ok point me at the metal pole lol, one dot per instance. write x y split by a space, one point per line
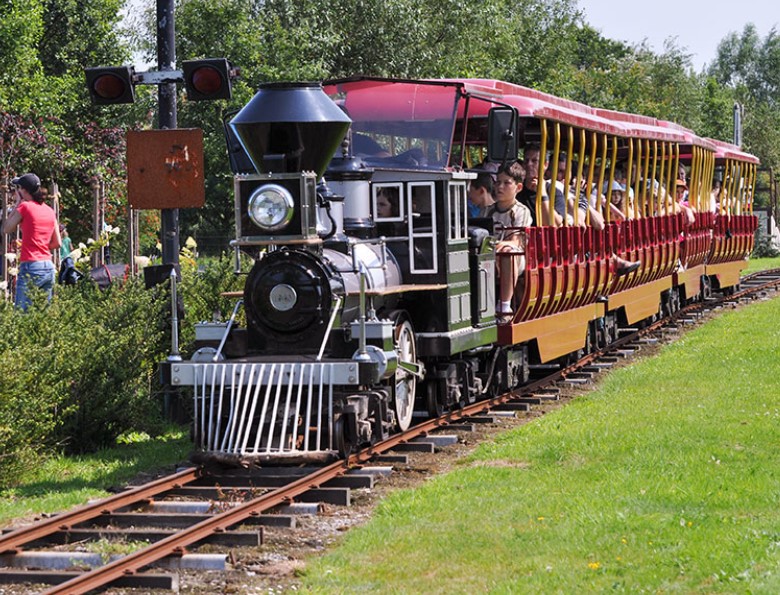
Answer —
738 124
94 186
166 61
5 243
174 356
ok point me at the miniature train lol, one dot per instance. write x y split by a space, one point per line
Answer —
360 313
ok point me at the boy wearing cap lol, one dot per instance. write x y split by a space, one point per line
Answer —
40 235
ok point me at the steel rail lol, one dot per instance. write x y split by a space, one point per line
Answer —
10 542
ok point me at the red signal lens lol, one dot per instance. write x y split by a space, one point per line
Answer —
207 80
108 86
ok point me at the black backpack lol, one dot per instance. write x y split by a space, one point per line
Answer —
68 273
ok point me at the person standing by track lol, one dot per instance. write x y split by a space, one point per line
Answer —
40 235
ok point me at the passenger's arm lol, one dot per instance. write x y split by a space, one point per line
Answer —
690 218
616 213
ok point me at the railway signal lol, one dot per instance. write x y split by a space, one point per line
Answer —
207 79
111 85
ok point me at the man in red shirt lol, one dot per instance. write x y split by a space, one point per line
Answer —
40 235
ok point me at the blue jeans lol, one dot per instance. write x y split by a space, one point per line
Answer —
33 273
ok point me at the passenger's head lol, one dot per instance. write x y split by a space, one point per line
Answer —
481 188
387 202
717 186
560 174
680 188
618 192
531 157
509 181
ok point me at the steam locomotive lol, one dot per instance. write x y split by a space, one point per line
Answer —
372 294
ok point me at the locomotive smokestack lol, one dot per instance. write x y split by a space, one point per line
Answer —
290 127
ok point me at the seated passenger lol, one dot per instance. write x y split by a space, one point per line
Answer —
566 206
682 201
365 146
387 202
682 176
480 195
717 186
619 209
527 196
507 214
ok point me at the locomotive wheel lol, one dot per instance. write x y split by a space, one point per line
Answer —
673 301
434 405
706 287
406 373
341 443
611 328
588 342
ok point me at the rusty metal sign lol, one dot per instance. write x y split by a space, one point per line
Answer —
165 169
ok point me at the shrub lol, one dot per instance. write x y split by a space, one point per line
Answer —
763 247
81 371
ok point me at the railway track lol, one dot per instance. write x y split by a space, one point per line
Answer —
163 520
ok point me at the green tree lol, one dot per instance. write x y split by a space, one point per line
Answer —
750 68
21 28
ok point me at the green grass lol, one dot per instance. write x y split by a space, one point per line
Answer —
666 479
64 482
761 264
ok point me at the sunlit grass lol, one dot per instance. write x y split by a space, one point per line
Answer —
64 482
665 479
761 264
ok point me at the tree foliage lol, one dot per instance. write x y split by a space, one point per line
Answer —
749 68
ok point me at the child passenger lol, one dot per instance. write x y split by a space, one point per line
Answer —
480 195
510 218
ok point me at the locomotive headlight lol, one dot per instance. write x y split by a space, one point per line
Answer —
271 207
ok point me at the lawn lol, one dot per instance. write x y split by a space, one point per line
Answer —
63 482
761 264
666 479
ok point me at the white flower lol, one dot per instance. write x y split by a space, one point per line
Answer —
76 254
90 241
83 259
191 243
82 246
3 285
13 271
158 246
113 230
10 256
142 261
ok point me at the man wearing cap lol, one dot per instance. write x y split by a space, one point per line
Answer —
40 235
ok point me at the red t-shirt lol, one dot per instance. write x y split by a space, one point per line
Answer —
38 221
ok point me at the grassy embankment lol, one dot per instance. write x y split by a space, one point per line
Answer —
761 264
665 479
